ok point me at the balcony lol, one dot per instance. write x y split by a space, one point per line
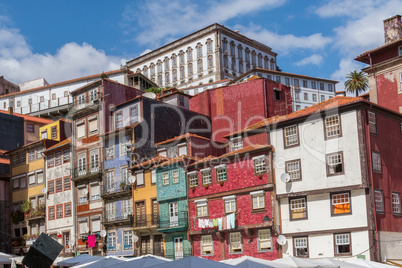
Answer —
47 108
84 107
175 255
35 213
30 239
117 218
87 172
169 223
111 192
146 221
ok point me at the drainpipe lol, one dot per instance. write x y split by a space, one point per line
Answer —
370 170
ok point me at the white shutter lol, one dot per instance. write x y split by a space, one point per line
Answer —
16 183
80 130
153 176
82 226
163 153
23 182
93 125
40 176
95 191
32 178
95 225
140 178
183 150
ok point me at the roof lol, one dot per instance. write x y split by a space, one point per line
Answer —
244 150
174 91
237 79
364 57
337 101
128 101
126 128
178 159
63 83
182 137
31 118
58 145
46 142
151 162
203 85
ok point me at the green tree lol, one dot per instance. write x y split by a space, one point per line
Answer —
356 82
155 90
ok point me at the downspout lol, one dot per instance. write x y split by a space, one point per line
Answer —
370 170
265 99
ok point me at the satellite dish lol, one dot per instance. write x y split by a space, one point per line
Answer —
44 190
131 179
149 95
285 178
86 229
135 238
85 192
281 239
103 233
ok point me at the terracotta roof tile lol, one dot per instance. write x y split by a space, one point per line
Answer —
363 55
58 145
182 158
151 162
31 118
337 101
184 136
4 161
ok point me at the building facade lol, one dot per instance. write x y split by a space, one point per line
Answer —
231 205
211 54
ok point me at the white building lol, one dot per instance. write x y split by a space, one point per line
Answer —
211 54
305 90
60 203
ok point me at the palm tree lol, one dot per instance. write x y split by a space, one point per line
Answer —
356 82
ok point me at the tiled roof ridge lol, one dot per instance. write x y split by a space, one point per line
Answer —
186 135
30 117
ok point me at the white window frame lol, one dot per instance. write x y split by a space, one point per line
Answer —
294 170
236 144
175 175
202 207
332 126
300 243
342 239
207 243
260 164
192 179
291 134
165 178
264 240
206 175
230 203
332 161
376 161
221 173
256 199
232 236
379 200
396 203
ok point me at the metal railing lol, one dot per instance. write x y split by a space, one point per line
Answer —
180 219
117 216
111 189
149 220
175 255
86 171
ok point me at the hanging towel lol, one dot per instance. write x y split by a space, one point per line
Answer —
229 222
232 220
91 241
200 223
215 222
211 223
224 223
220 224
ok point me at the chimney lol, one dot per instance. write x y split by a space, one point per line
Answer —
392 29
10 110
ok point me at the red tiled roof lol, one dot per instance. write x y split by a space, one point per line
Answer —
203 85
184 136
58 145
4 161
362 57
121 129
337 101
128 101
151 162
31 118
177 159
244 150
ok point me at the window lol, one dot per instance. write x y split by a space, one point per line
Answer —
396 203
128 241
53 132
379 201
110 182
258 200
200 66
93 95
321 86
140 178
58 158
175 176
221 174
94 160
95 191
233 64
334 164
82 225
332 126
236 144
291 136
206 176
305 84
67 183
293 168
376 160
43 134
165 178
124 176
119 120
93 125
225 61
330 87
259 164
306 96
278 79
109 149
50 187
206 245
23 182
31 155
235 243
166 64
110 211
51 213
315 97
167 78
298 107
81 101
82 166
39 175
340 203
67 210
313 85
298 208
59 185
190 69
372 119
31 178
230 203
202 208
81 129
30 128
193 179
59 211
322 98
23 159
66 156
264 240
300 247
342 244
111 241
82 195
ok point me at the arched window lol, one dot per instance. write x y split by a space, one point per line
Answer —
199 50
233 62
182 76
225 45
240 52
209 46
240 66
232 49
259 60
225 61
253 58
159 66
266 64
190 69
189 54
181 57
166 63
210 62
174 74
247 55
152 67
174 60
200 66
167 78
160 80
145 71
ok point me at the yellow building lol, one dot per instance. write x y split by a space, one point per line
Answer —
27 182
146 208
58 130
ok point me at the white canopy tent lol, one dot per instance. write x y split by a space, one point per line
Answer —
192 262
142 262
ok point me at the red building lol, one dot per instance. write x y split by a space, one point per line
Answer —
230 203
237 106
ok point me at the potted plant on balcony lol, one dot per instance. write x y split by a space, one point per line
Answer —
26 208
122 185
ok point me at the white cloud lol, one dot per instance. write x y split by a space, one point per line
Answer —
314 59
18 63
163 20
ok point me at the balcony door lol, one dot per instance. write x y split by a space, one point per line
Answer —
140 216
174 215
82 164
155 212
178 248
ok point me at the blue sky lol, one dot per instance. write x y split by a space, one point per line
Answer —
62 40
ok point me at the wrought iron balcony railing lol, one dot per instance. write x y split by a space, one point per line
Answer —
179 219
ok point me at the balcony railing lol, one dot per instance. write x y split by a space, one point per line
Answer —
149 220
117 217
87 171
175 255
178 220
115 190
35 213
